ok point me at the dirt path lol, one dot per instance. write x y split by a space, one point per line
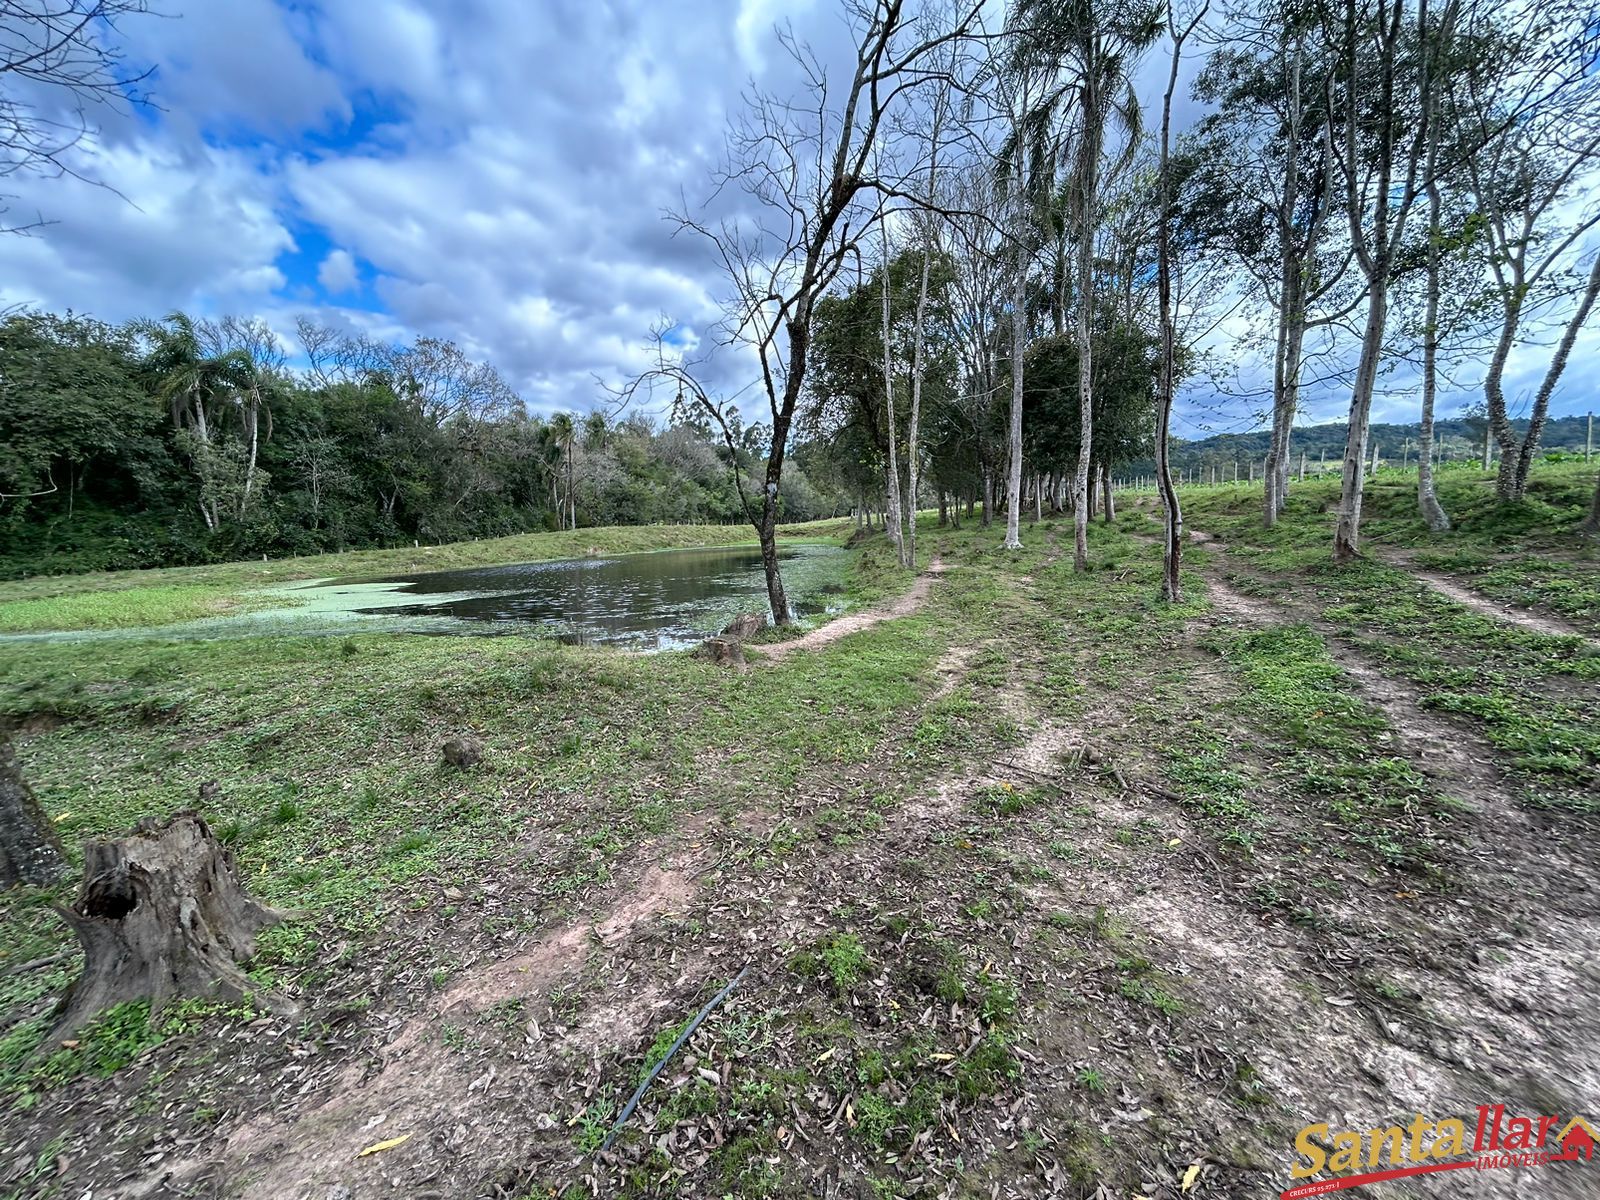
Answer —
1504 1013
823 635
1509 613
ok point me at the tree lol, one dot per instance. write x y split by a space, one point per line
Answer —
1172 515
1097 43
196 381
69 397
1530 114
564 433
1263 190
816 178
1383 90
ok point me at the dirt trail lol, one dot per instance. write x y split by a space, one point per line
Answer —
823 635
1510 613
1505 1014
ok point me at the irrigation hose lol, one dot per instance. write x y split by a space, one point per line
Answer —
683 1037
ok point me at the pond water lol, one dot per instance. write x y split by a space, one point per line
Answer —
662 600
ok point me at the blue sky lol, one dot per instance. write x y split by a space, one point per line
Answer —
489 171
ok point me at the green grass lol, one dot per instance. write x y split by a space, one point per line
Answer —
128 608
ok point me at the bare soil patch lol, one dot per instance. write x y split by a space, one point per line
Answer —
901 606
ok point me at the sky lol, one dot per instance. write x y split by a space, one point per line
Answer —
496 172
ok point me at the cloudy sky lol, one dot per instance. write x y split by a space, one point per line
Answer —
491 171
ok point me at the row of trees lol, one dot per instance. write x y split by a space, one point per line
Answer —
978 268
180 440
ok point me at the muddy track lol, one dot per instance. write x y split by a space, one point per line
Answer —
1503 993
1510 614
841 627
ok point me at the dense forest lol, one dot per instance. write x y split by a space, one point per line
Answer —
182 441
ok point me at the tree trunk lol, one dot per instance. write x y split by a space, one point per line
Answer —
30 850
1346 535
914 424
988 500
1019 338
162 916
1110 503
1433 513
1547 386
892 468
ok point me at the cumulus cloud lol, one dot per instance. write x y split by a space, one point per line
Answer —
338 273
483 170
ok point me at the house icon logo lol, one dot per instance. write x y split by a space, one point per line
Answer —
1578 1138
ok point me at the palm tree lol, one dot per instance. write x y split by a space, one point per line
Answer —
194 382
565 432
1097 43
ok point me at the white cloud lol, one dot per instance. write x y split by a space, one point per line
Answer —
338 274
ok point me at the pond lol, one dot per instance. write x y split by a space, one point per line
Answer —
661 600
664 600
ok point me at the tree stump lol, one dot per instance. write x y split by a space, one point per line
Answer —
724 651
161 915
30 850
745 625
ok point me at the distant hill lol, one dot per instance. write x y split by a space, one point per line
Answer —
1323 445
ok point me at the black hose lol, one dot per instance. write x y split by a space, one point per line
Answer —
683 1037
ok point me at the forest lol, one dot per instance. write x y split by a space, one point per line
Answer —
960 724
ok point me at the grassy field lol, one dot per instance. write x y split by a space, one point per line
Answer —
1043 886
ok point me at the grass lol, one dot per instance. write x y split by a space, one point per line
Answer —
921 986
1531 694
128 608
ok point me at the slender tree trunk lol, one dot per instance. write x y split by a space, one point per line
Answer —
1019 340
892 469
988 500
1433 513
1547 386
1496 415
1110 504
914 424
1346 536
1087 180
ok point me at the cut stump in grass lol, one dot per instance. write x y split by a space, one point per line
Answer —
724 651
162 916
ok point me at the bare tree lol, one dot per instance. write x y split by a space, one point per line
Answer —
815 182
58 63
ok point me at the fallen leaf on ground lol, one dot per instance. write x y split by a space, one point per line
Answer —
382 1146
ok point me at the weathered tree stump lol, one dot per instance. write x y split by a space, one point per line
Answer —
724 651
161 915
745 625
30 849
